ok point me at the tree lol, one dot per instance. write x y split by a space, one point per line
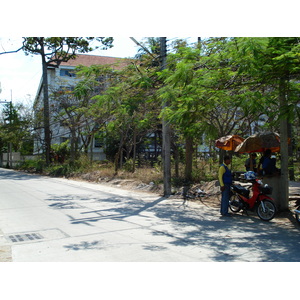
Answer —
177 91
272 63
67 112
54 51
203 100
128 111
16 128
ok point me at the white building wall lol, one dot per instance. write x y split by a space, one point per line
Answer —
60 133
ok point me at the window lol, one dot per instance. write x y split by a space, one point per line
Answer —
98 143
67 73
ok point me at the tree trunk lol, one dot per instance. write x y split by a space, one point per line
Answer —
188 158
134 151
73 145
166 149
176 159
119 155
284 181
166 156
221 155
291 160
47 137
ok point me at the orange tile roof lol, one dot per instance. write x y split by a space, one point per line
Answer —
89 60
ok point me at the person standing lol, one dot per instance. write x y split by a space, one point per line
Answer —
225 180
251 159
268 164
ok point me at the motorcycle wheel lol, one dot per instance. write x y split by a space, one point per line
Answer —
270 210
298 215
234 204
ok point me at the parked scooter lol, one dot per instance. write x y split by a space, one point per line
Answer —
260 201
297 211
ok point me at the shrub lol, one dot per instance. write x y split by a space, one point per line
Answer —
33 165
60 170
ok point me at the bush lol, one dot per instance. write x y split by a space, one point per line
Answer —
60 170
128 165
60 152
37 166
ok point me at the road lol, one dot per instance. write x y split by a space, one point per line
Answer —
46 219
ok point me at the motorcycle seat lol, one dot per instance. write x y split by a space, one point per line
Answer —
241 190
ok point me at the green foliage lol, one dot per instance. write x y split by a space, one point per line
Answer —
61 152
54 48
60 170
128 166
16 128
36 166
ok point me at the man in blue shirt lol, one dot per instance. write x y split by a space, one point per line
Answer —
225 179
268 164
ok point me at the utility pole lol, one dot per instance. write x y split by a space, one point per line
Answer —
47 137
166 133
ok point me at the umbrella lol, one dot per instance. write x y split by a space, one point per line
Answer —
259 143
228 142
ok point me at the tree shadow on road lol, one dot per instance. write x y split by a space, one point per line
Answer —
18 175
239 238
98 245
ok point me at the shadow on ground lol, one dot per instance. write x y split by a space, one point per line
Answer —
240 238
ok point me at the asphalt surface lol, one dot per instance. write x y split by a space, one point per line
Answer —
46 219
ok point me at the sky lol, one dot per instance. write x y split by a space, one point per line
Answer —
20 74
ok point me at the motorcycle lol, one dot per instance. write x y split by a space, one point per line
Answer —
260 201
297 211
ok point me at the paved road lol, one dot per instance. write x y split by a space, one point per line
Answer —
48 219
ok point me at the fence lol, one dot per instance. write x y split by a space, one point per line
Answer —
13 159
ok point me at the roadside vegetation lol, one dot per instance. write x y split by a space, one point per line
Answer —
204 170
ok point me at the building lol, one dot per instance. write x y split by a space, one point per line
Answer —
62 78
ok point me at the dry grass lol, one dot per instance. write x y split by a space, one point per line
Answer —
145 175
